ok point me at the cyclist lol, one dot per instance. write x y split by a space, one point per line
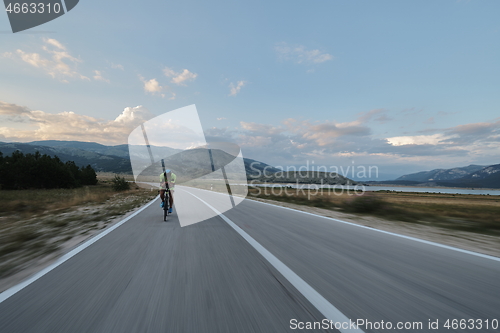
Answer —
171 178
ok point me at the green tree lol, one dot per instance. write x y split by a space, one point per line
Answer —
89 177
20 171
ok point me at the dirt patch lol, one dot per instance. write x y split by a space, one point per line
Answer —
29 244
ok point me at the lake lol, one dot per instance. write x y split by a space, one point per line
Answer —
390 188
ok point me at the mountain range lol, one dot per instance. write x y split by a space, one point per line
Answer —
116 159
441 174
475 176
104 158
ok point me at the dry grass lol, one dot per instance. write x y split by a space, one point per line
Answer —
27 203
108 176
34 224
476 213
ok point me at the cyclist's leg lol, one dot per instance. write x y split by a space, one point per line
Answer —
162 195
171 198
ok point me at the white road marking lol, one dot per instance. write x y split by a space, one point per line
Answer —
391 233
18 287
326 308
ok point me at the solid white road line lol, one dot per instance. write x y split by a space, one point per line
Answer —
11 291
326 308
391 233
477 254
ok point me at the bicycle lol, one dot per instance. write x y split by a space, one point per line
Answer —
166 202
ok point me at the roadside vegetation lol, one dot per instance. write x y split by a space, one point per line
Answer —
30 171
120 183
36 224
473 213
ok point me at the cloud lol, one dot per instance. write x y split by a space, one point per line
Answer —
365 117
477 134
260 128
117 66
8 109
134 116
487 133
152 86
98 76
294 141
300 55
179 78
235 89
56 61
55 43
222 118
429 121
434 139
72 126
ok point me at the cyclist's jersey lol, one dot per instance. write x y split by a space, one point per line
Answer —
171 186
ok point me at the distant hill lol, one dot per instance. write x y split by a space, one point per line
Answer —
255 168
119 150
472 176
81 157
105 158
440 174
484 173
488 177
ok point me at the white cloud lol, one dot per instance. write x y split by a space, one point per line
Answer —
55 43
179 78
98 76
434 139
155 88
72 126
299 54
235 89
222 118
152 86
295 141
117 66
56 62
134 116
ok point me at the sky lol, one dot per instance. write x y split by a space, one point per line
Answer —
405 86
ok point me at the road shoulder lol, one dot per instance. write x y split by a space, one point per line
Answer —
470 241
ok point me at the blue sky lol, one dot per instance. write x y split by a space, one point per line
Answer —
404 85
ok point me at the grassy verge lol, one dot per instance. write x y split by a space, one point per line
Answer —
34 224
474 213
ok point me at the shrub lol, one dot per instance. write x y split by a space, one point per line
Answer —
120 184
365 204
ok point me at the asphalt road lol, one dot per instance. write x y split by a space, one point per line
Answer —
153 276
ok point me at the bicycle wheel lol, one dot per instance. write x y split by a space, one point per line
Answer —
165 207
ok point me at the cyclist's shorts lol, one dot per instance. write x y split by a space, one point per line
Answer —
171 189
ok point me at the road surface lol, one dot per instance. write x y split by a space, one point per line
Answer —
153 276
